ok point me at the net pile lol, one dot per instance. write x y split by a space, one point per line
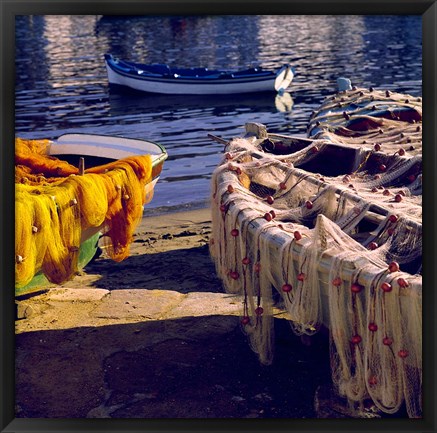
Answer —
365 118
341 251
56 209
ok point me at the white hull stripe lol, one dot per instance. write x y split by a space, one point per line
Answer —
194 81
162 79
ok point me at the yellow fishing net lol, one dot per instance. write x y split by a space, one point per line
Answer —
56 209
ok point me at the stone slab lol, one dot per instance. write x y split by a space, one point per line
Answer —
207 304
137 303
66 294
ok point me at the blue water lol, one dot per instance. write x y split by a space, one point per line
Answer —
61 82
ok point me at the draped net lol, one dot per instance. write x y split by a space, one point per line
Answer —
344 253
56 208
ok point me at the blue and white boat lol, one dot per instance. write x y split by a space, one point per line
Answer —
160 78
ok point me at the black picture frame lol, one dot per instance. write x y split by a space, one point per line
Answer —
9 8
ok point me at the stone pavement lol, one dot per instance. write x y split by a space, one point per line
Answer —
155 336
136 353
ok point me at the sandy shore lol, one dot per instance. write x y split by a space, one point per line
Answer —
155 336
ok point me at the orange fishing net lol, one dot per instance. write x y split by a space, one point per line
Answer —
33 165
55 209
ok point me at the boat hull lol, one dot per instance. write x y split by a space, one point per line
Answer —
235 208
329 232
197 86
99 148
87 251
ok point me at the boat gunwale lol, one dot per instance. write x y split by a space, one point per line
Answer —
160 146
214 78
197 81
282 236
344 191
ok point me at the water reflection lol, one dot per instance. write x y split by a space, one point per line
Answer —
211 41
123 100
61 82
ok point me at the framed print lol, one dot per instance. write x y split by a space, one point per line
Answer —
217 216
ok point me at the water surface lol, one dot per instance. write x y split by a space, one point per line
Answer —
61 82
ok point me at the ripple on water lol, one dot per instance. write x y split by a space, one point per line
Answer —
61 82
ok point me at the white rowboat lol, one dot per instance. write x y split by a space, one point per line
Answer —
159 78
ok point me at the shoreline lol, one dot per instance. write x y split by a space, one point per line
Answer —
150 212
193 215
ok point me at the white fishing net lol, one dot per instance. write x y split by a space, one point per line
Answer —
340 251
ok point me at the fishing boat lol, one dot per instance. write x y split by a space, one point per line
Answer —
64 210
160 78
328 227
